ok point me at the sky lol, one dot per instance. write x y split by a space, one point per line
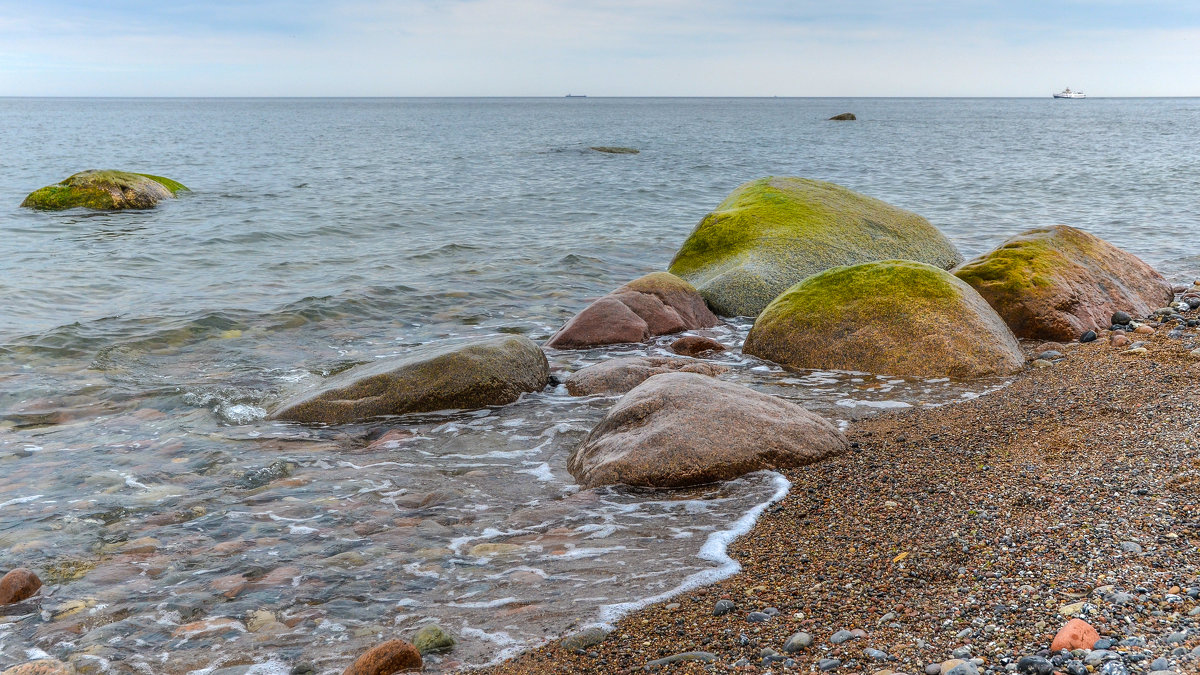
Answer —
599 48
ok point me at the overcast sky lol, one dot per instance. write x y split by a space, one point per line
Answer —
599 48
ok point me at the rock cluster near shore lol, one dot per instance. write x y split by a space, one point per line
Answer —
105 190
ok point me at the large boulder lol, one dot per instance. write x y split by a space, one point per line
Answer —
897 317
617 376
656 304
106 190
492 371
1056 283
771 233
681 429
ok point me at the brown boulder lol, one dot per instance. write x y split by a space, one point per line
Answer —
492 371
1076 634
618 376
694 345
656 304
681 429
40 667
18 585
1055 283
393 656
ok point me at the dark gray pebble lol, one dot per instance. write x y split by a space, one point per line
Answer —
758 617
828 664
1034 665
723 607
1089 336
1121 318
841 636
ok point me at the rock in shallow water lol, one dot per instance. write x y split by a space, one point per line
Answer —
617 376
694 345
393 656
104 190
19 584
656 304
493 371
1055 283
770 233
897 317
682 429
431 639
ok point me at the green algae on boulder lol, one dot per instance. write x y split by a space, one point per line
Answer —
104 190
492 371
895 317
1055 283
770 233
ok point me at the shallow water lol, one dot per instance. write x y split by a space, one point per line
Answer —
139 351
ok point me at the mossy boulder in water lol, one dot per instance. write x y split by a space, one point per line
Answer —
493 371
104 190
772 232
1056 283
896 317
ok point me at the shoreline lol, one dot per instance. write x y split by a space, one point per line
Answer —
975 528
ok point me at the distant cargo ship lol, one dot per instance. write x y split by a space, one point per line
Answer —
1067 93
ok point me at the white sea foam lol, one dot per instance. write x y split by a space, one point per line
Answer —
855 403
715 549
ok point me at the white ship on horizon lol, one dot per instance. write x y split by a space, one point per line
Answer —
1067 93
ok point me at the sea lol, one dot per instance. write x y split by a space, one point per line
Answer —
178 530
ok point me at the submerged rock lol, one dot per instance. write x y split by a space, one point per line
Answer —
695 345
393 656
618 376
681 429
105 190
492 371
896 317
656 304
844 117
1056 283
770 233
614 150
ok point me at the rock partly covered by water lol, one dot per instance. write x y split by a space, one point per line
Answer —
897 317
681 429
492 371
19 584
772 232
843 117
1055 283
656 304
393 656
617 376
106 190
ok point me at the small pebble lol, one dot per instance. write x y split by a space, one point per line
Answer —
723 607
828 664
841 636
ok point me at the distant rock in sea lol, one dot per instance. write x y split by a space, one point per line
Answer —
770 233
844 117
105 190
614 150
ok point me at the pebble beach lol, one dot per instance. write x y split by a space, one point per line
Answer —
960 539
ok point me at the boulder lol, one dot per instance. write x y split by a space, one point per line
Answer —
105 190
393 656
681 429
19 584
617 376
614 150
844 117
656 304
1076 634
1055 283
896 317
772 232
431 639
694 345
492 371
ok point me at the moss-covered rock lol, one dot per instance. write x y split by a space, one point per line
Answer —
431 639
1056 283
493 371
772 232
897 317
105 190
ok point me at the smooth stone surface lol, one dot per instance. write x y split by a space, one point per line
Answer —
460 375
431 639
841 636
105 190
706 657
797 642
617 376
895 317
655 304
826 665
843 117
1034 665
695 345
682 429
393 656
1055 283
723 607
589 637
1075 634
19 584
771 233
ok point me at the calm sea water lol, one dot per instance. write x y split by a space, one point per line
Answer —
138 351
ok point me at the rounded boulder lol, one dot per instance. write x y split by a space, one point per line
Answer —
617 376
492 371
1056 283
682 429
658 303
895 317
105 190
770 233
